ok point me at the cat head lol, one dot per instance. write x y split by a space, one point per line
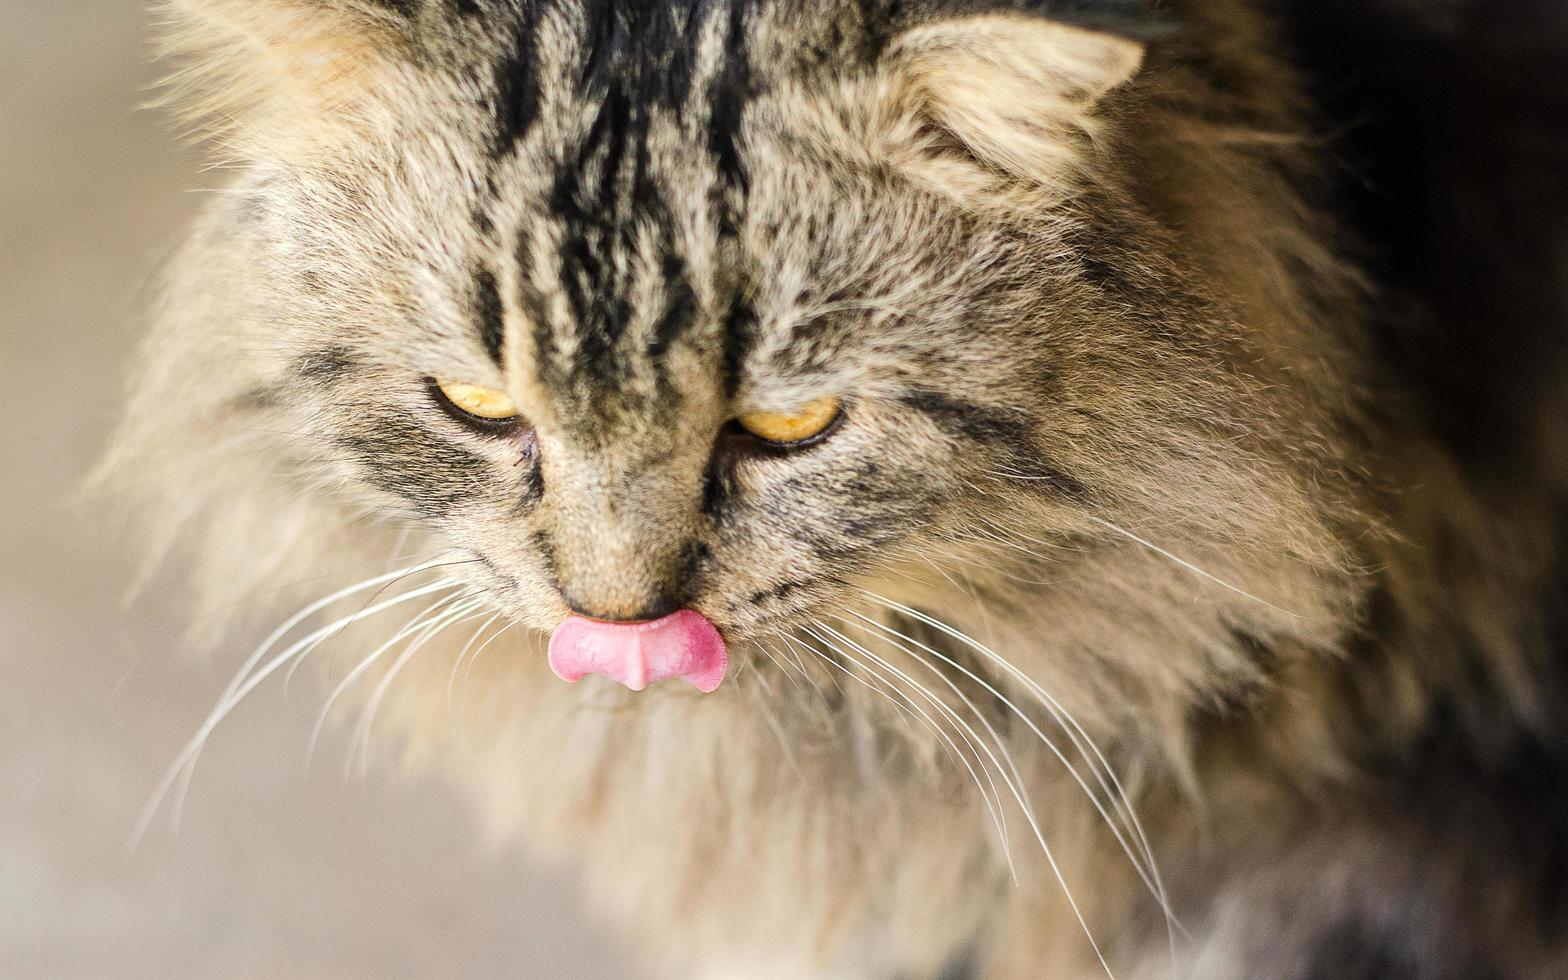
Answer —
758 308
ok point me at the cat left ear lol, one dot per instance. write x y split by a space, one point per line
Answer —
271 73
1001 104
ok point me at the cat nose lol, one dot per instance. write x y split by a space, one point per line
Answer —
610 611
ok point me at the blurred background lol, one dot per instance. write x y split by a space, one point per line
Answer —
276 872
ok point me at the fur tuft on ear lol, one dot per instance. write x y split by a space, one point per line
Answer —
998 109
270 75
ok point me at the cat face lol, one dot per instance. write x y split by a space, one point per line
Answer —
668 243
636 227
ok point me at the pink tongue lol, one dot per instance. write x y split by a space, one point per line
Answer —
683 644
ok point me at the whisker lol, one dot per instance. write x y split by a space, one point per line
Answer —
907 716
772 716
451 679
469 670
288 675
462 611
1075 732
998 814
384 580
1150 877
184 764
789 665
1034 825
993 805
1189 566
413 626
996 738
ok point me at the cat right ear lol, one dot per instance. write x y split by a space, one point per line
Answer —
999 110
276 75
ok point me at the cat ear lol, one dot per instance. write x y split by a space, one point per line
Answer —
996 107
284 70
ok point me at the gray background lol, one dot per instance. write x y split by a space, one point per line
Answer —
276 873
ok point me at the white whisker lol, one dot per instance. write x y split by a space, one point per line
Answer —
386 579
469 670
417 623
1061 880
992 800
288 675
905 714
462 611
972 739
1150 876
1075 732
772 717
451 679
1189 566
184 764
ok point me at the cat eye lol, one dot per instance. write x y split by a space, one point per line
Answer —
808 424
475 403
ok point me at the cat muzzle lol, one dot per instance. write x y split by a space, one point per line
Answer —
683 644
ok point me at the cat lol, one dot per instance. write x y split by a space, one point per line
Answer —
986 407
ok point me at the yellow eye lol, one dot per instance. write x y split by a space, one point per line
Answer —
810 421
480 402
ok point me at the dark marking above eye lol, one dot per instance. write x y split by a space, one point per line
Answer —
488 308
679 312
587 199
740 337
404 7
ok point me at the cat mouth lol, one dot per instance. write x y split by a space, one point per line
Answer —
684 645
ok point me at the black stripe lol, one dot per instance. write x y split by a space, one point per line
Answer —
405 458
639 57
407 8
1144 20
604 191
492 319
592 229
516 87
544 547
728 95
680 312
1008 431
740 337
969 420
774 593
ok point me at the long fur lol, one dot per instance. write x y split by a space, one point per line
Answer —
1144 615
